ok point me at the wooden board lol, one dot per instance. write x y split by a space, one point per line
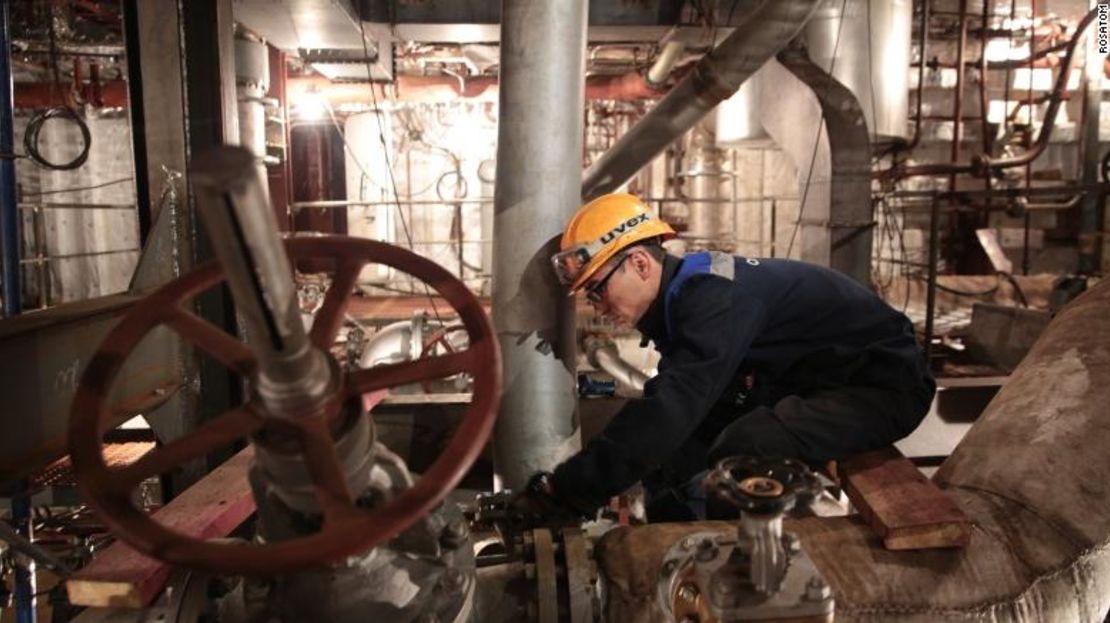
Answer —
902 506
213 507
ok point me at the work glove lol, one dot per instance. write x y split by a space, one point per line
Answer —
538 505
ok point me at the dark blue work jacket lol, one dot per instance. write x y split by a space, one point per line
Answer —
734 332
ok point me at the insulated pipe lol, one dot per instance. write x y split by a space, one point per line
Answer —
661 69
627 86
539 149
604 355
714 79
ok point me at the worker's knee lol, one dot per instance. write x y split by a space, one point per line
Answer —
759 434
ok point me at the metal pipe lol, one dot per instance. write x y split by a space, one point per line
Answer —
604 355
931 292
9 214
715 78
958 101
1090 216
922 46
537 190
1041 191
294 376
984 103
661 69
984 163
36 553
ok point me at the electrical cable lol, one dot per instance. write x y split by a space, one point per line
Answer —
817 138
34 127
958 292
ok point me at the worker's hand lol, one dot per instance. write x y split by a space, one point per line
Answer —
539 505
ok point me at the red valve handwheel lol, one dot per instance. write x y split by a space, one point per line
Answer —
346 530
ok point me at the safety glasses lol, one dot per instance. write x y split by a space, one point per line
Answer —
596 290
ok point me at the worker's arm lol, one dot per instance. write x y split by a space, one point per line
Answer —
714 324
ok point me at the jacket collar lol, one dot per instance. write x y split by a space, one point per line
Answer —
653 324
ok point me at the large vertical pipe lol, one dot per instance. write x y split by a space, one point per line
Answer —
9 212
539 156
1090 219
710 223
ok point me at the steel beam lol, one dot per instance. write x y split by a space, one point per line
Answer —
212 120
43 355
539 149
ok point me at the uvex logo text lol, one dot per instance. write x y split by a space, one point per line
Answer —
623 227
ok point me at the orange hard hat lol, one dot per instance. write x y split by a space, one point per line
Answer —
599 230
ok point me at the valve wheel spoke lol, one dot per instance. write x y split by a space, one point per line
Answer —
395 374
330 315
327 473
212 435
222 347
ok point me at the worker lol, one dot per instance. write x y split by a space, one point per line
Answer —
772 358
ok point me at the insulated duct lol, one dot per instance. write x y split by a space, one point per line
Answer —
819 124
715 77
865 45
737 118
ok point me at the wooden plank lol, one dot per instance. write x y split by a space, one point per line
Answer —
902 506
213 507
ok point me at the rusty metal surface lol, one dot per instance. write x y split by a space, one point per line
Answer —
42 355
347 529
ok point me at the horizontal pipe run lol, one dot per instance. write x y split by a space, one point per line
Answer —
342 203
1045 191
